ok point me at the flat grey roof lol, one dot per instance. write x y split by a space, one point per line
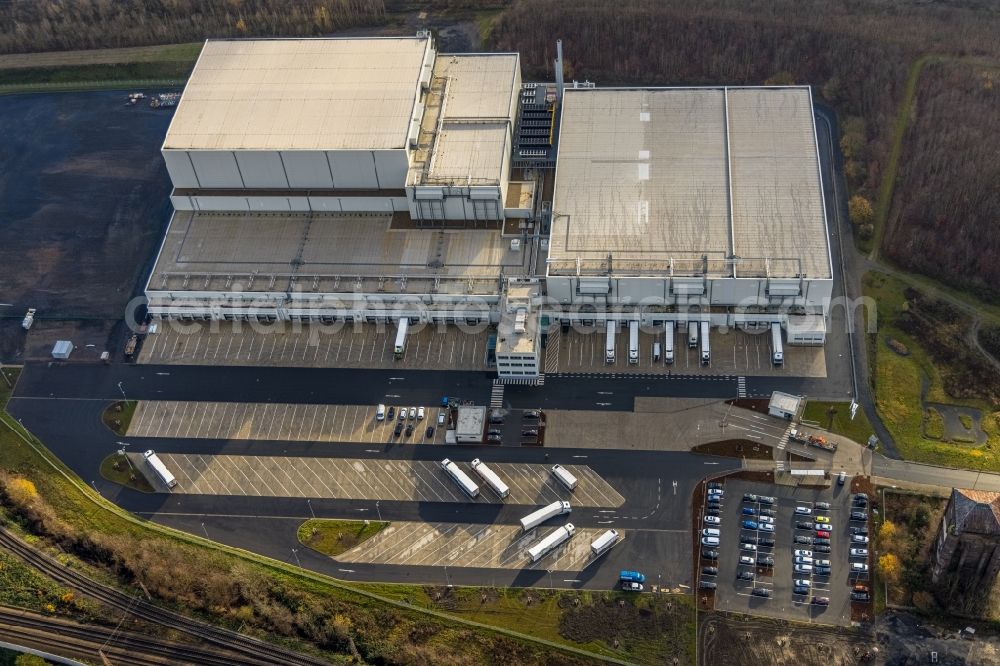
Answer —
300 94
686 179
327 253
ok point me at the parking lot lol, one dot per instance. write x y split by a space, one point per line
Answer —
282 422
472 545
364 479
293 344
733 353
734 594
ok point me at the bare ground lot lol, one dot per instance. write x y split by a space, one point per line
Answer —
83 203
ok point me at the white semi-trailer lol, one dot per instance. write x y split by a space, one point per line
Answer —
460 477
491 478
545 546
603 543
159 469
536 518
400 348
633 342
668 345
706 353
778 357
609 345
692 334
564 477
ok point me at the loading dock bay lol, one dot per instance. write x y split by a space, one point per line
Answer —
293 344
472 545
276 421
363 479
735 352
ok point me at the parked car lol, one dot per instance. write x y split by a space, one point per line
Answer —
799 590
441 418
761 592
823 541
413 413
765 561
859 515
823 534
409 430
716 491
822 519
494 438
749 511
748 546
803 568
714 501
532 414
494 431
429 433
802 582
709 554
746 559
860 530
841 478
496 419
859 538
712 511
860 588
766 499
710 571
859 567
713 520
764 511
764 541
823 563
707 585
749 524
402 413
803 560
823 571
766 519
391 414
860 596
631 586
802 553
821 527
420 413
749 497
748 538
821 601
803 525
744 575
711 531
397 430
714 484
859 552
803 539
803 511
766 527
822 506
529 433
710 541
821 548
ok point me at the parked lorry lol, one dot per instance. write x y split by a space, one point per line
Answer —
706 353
692 334
557 538
609 345
603 543
536 518
633 342
490 478
668 345
159 469
818 441
400 347
460 477
778 355
631 577
29 319
564 477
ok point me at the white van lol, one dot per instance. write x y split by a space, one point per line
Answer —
711 531
380 413
656 352
710 541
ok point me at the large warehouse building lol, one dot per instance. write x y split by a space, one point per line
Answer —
371 180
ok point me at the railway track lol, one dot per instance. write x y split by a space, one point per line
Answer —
84 641
251 650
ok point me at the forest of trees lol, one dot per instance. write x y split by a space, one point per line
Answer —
855 54
60 25
947 202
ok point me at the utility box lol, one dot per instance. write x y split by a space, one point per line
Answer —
62 349
470 424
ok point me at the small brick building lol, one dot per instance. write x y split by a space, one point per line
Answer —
965 560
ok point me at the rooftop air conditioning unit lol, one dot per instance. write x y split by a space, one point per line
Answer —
515 244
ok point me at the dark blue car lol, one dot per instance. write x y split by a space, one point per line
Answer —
750 524
749 511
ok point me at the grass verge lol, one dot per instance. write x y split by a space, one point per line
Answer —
836 417
117 469
118 416
333 537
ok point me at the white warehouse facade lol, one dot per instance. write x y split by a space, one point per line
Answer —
371 180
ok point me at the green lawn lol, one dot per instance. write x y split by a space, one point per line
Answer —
333 537
116 468
898 380
118 416
836 417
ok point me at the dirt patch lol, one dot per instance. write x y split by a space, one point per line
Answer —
620 620
739 639
735 448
